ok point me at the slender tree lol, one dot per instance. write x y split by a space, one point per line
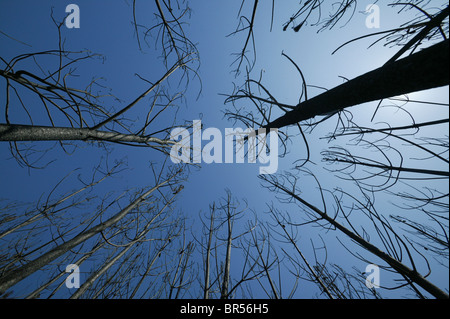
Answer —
403 163
113 230
13 276
87 113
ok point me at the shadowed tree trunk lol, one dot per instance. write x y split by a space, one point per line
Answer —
226 275
206 289
411 274
424 70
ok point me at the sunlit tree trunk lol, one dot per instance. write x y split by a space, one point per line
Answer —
16 275
127 247
15 133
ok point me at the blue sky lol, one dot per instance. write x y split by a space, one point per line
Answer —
106 29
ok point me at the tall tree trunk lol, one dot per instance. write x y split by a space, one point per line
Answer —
49 133
424 70
226 275
402 269
109 264
16 275
36 293
208 255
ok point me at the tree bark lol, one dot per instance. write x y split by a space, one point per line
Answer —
413 275
208 256
424 70
226 275
15 133
16 275
109 264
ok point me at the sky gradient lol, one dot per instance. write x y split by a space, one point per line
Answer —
107 29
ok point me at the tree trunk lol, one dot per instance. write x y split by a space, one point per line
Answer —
48 133
226 275
413 275
109 264
208 255
424 70
16 275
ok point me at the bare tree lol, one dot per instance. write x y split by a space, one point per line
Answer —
393 243
45 102
88 113
13 275
134 242
226 248
402 163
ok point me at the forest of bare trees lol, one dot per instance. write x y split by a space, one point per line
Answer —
142 242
